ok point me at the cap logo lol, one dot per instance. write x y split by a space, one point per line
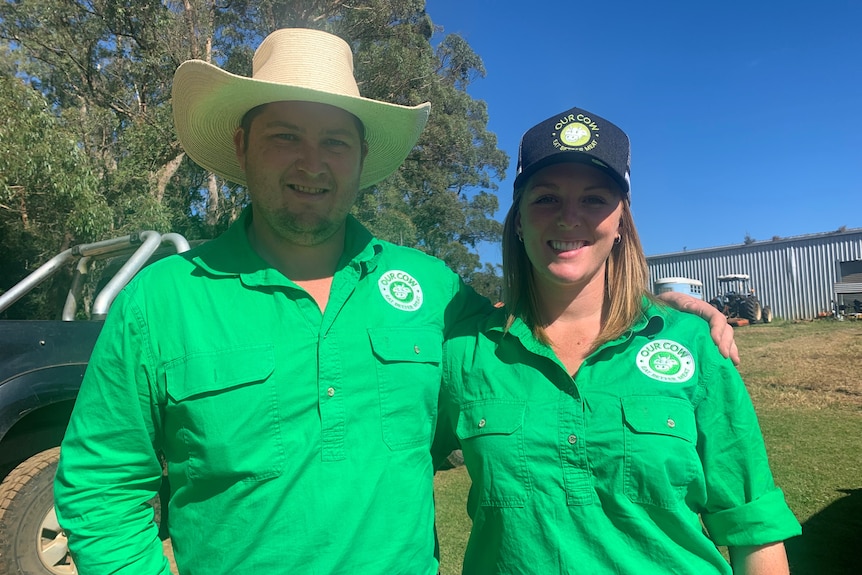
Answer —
666 360
575 135
576 132
400 290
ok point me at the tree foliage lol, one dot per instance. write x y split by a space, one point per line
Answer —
48 190
89 149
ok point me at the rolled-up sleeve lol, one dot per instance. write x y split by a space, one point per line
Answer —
109 468
743 505
765 520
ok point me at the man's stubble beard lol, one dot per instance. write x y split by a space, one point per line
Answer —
308 228
304 229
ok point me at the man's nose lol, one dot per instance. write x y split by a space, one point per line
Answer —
310 159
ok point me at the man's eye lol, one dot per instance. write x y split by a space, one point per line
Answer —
286 136
336 143
545 200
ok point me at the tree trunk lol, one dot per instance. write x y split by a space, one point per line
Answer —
213 200
164 175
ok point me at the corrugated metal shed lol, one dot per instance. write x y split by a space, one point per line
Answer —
795 276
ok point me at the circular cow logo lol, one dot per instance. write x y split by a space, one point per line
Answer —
400 290
574 135
666 360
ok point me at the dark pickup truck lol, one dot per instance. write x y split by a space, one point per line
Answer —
42 364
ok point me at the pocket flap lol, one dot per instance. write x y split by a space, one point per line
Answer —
218 370
660 415
421 345
490 416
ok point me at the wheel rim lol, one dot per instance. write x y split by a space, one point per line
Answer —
53 546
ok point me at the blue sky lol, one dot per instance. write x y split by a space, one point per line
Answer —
745 117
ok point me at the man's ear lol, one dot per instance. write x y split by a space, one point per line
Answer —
239 147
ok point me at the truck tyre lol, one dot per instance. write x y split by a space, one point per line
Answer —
31 540
767 314
751 310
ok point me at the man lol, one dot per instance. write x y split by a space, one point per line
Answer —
288 370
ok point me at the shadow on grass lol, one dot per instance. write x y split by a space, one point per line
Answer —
830 541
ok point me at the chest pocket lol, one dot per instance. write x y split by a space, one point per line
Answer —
492 441
408 376
661 458
224 406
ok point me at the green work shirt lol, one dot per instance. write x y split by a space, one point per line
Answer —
612 470
296 441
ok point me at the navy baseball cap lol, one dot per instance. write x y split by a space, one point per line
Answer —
575 136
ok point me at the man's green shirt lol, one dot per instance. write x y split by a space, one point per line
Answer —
296 441
610 471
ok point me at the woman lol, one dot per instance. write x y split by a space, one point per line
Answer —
603 432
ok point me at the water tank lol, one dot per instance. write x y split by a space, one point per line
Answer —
684 285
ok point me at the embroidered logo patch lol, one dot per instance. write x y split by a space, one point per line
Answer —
575 132
666 360
401 290
575 135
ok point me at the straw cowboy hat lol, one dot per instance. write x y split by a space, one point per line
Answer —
292 64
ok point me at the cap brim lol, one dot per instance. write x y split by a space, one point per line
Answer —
209 104
574 157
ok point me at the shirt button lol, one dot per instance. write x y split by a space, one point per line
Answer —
416 349
671 423
481 423
330 392
573 439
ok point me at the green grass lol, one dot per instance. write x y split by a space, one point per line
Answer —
805 380
453 524
815 456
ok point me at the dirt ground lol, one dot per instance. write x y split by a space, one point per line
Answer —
169 553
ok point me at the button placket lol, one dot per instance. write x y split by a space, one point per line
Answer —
575 467
330 403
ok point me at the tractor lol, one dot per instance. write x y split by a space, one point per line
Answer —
738 301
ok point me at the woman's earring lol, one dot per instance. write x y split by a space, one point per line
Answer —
618 239
520 237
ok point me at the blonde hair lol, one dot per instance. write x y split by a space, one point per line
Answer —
626 279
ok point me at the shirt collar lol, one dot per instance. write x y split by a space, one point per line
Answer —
231 254
648 323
